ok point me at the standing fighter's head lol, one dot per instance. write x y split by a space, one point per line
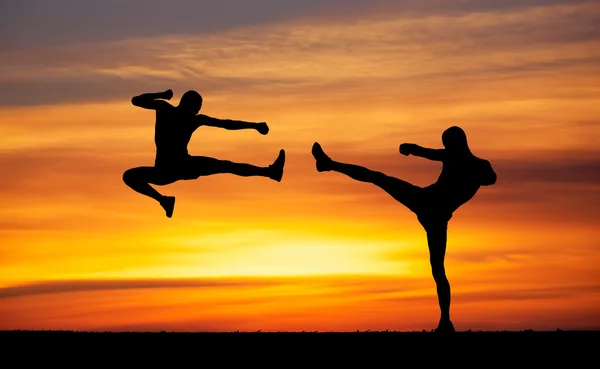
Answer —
191 102
455 140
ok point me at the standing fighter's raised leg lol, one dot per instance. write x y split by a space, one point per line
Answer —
139 180
400 190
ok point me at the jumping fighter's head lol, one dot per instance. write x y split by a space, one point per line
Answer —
191 102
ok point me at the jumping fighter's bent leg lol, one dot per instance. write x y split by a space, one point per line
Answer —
139 180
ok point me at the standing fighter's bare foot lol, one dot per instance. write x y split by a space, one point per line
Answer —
276 169
168 203
445 326
323 161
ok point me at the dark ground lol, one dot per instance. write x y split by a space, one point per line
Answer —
481 349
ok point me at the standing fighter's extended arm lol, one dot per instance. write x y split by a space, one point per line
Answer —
423 152
230 124
150 100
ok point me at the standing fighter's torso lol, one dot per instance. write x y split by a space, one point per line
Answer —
458 182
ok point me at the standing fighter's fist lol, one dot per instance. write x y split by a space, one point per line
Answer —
406 148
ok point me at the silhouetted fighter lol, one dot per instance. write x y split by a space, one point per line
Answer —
462 175
173 131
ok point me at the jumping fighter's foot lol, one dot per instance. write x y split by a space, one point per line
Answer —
276 169
168 203
445 326
323 161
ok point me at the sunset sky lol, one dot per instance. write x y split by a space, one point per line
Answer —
79 250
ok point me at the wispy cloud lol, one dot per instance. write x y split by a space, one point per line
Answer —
31 22
376 55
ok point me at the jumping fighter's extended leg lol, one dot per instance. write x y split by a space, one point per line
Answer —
401 191
139 180
205 166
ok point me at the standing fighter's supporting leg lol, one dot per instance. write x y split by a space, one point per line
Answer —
139 178
400 190
436 240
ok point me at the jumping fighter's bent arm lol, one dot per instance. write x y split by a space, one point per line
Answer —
230 124
423 152
150 100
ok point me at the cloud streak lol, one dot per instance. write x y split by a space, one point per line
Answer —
385 287
73 286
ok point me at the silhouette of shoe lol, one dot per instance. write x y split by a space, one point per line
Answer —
445 326
322 159
168 203
277 167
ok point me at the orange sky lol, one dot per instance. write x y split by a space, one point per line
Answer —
80 250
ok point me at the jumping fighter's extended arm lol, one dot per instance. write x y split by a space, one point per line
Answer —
205 120
423 152
151 100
